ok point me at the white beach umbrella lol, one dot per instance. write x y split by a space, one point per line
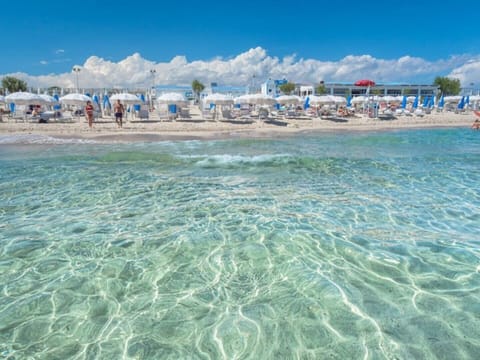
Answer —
255 99
2 99
24 98
289 100
359 99
218 99
452 99
339 100
75 99
172 99
126 98
47 99
322 100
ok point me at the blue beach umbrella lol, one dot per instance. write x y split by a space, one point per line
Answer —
404 102
461 104
57 99
467 100
425 101
96 101
306 105
431 103
441 102
349 101
106 102
415 103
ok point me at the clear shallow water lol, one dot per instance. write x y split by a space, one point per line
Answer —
359 246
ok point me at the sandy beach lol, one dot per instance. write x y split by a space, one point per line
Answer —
106 130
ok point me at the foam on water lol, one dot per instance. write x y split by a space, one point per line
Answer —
351 246
41 139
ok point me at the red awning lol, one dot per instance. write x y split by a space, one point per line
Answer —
364 82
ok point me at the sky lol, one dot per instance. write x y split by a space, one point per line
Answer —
118 43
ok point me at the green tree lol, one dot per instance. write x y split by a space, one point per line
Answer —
447 85
197 88
287 88
321 89
13 84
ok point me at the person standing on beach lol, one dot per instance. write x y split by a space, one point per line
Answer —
89 113
119 110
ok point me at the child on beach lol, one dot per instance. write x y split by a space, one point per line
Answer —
119 110
89 113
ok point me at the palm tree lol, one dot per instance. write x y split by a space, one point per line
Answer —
197 88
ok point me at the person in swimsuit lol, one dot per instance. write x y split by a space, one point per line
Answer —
89 113
119 110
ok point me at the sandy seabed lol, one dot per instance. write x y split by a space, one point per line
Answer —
106 130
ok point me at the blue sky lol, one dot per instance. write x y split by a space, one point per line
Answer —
49 37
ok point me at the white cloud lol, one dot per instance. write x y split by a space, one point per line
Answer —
59 51
468 73
135 71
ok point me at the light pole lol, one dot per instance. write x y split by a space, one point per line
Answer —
76 70
153 72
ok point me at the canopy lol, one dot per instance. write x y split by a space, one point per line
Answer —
364 82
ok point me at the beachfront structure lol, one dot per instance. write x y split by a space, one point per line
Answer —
272 87
349 89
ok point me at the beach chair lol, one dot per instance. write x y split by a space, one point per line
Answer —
227 114
184 113
143 114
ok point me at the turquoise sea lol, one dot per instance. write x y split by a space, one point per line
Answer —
319 246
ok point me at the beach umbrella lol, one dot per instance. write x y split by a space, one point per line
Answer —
126 98
289 100
47 99
172 99
359 99
431 103
441 102
404 102
415 103
255 99
461 103
24 98
349 101
106 102
425 101
338 100
218 99
57 105
323 100
306 105
75 99
2 99
453 99
364 82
